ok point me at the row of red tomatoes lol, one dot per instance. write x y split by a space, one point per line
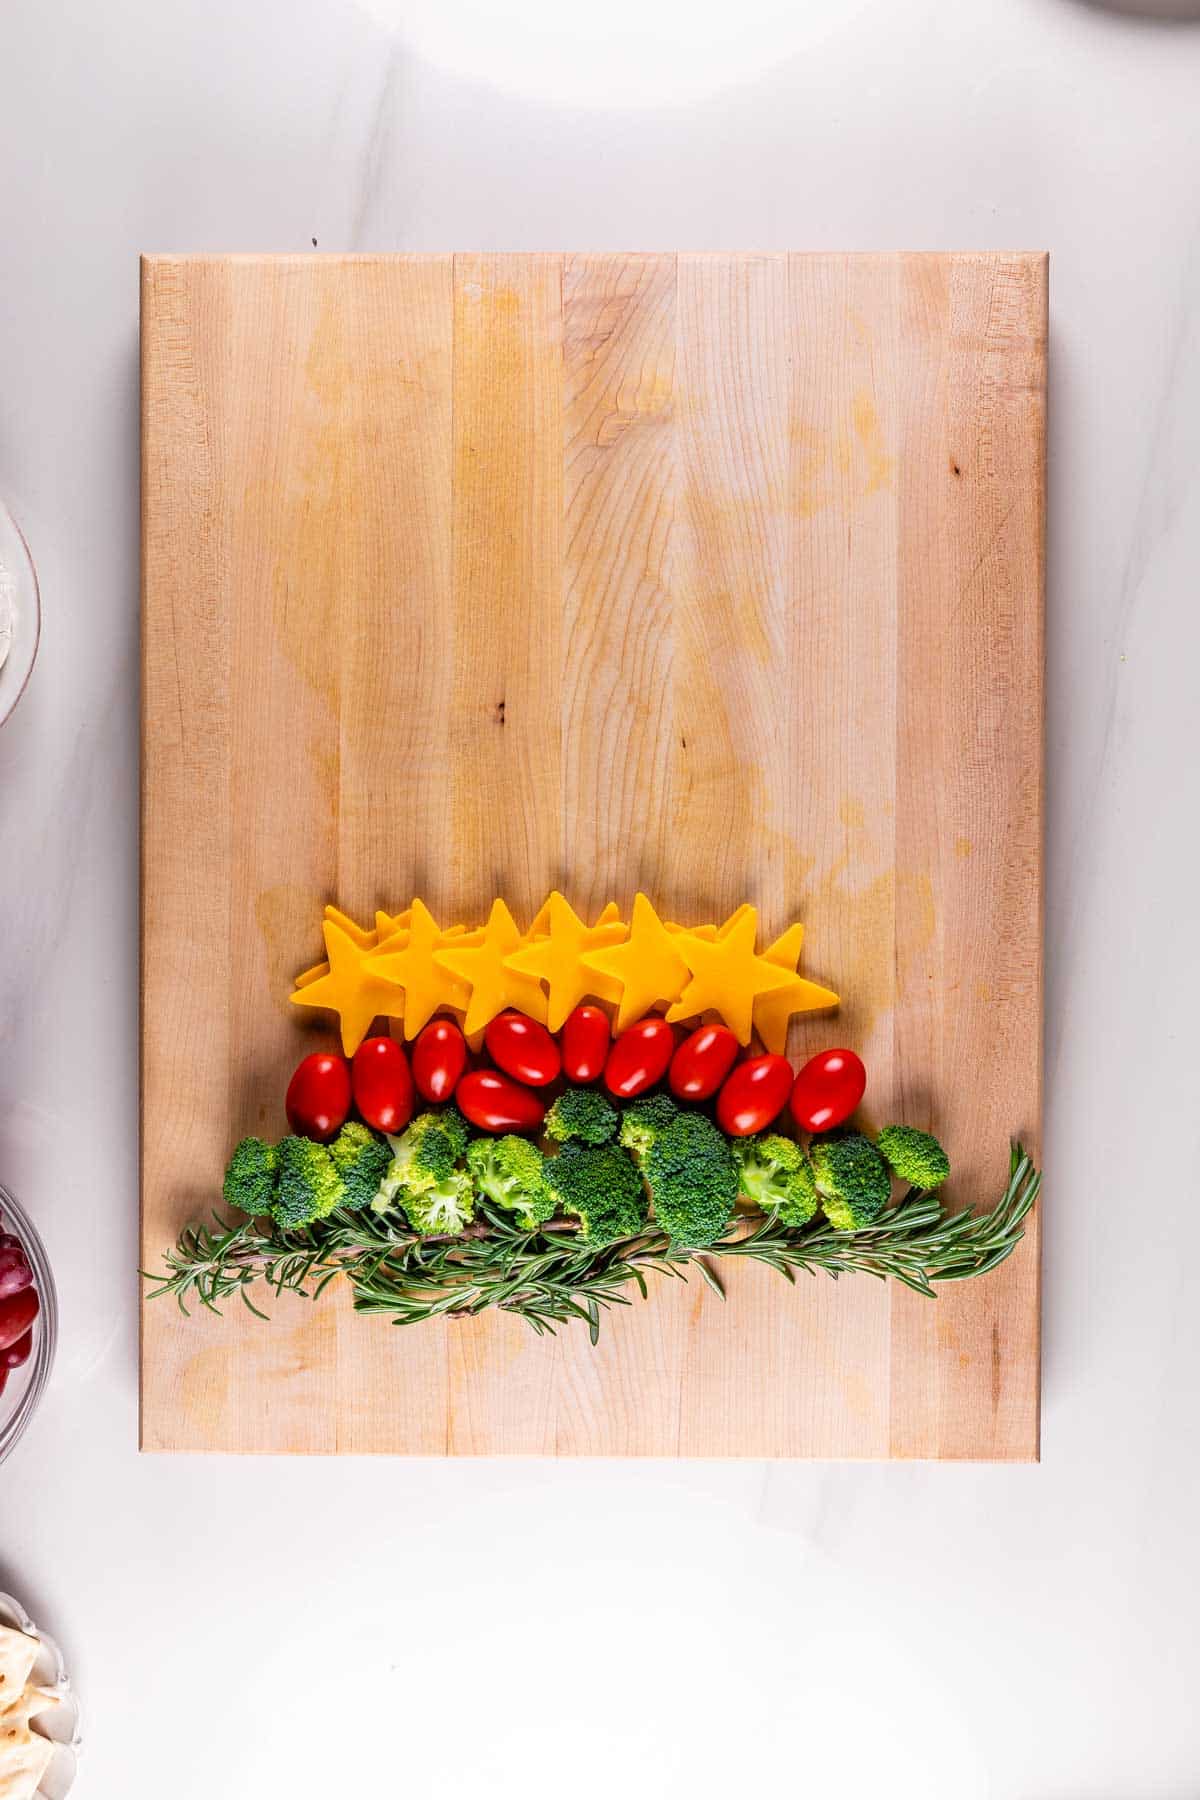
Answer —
749 1095
19 1306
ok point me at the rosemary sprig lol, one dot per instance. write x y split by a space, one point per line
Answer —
209 1266
915 1241
548 1277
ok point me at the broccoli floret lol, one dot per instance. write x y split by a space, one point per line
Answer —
642 1122
250 1177
774 1173
914 1156
455 1128
852 1180
511 1172
693 1180
601 1186
425 1153
581 1113
362 1159
309 1185
443 1208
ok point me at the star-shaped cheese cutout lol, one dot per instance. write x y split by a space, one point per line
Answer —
388 924
308 976
358 934
710 933
541 923
427 986
483 966
727 976
351 989
557 958
647 967
772 1011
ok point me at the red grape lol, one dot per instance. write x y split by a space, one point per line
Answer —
17 1353
17 1314
15 1272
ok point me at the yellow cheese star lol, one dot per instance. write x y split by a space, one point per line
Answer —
358 934
541 923
386 927
773 1011
307 976
647 967
727 976
557 958
710 933
388 924
427 986
493 985
352 990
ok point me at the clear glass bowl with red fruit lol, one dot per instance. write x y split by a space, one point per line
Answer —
28 1322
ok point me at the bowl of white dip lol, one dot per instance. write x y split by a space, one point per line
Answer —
20 613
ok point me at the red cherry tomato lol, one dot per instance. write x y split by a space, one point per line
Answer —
318 1096
754 1095
495 1103
639 1058
17 1353
523 1049
702 1062
827 1090
439 1057
17 1314
585 1040
383 1087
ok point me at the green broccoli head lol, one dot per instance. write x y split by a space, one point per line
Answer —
455 1128
583 1113
775 1174
602 1188
511 1172
442 1209
914 1156
250 1177
693 1180
852 1180
425 1153
643 1120
309 1186
362 1159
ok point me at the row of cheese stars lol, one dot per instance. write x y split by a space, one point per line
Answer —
409 968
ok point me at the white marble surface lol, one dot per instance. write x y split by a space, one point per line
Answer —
952 1633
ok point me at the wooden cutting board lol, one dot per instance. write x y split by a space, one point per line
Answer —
718 576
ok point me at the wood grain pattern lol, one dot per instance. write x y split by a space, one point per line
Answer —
715 575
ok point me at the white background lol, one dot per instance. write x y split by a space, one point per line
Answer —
662 1629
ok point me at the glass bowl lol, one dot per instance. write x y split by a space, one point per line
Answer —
25 1385
20 613
60 1723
